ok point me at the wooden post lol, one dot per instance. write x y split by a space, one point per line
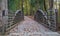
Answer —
51 15
4 8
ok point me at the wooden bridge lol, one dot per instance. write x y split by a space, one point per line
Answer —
16 22
29 25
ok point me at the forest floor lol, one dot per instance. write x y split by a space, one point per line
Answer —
29 25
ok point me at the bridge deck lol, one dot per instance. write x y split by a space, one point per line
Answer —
29 25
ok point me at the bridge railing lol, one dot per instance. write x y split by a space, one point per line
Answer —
40 16
13 19
48 20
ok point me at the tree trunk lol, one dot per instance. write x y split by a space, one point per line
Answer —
31 9
45 6
51 4
26 8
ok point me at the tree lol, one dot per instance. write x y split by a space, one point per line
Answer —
13 5
28 6
51 4
45 8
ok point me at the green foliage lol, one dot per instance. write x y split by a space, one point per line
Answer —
33 2
13 5
29 5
